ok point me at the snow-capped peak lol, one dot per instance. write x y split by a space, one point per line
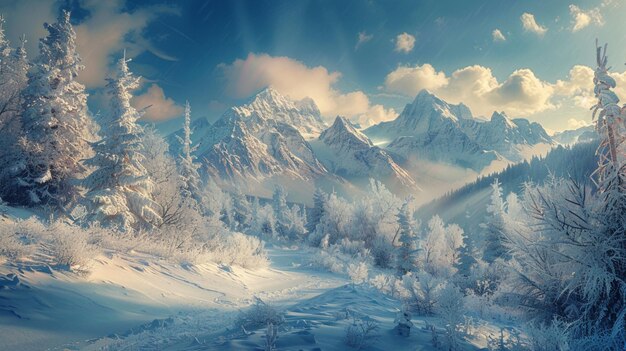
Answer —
270 104
343 132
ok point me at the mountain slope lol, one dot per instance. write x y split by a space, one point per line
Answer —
466 206
350 154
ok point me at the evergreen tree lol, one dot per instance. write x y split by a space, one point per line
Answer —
188 168
319 201
57 129
281 210
407 252
611 172
14 67
467 254
494 228
120 189
242 213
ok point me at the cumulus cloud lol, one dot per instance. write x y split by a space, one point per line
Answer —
521 93
582 19
160 107
405 42
530 24
362 39
497 35
376 114
410 80
110 29
293 78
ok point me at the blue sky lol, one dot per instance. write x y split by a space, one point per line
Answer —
363 59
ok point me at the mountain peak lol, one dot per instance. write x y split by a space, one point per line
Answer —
342 131
502 118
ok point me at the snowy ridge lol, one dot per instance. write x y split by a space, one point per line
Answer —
248 143
349 153
430 128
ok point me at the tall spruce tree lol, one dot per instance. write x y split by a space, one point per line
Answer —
55 122
120 192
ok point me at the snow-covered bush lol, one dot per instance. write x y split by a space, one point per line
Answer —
242 250
553 336
71 246
328 261
258 315
358 273
271 335
361 332
16 238
451 310
423 289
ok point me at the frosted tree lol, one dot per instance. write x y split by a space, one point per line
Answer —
188 168
14 67
120 189
407 252
281 210
319 202
610 175
495 225
439 250
55 121
242 212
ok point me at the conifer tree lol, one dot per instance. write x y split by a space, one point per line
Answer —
190 178
55 122
120 189
319 201
495 226
407 252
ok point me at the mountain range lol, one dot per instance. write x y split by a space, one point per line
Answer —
272 137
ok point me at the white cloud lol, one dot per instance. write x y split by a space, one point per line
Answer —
582 19
520 94
362 39
573 123
376 114
161 107
410 80
405 42
530 24
497 35
109 30
246 76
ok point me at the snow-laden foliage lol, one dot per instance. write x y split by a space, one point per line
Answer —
190 183
439 248
258 315
494 225
120 189
407 253
14 67
55 122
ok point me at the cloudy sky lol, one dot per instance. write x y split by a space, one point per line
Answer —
362 59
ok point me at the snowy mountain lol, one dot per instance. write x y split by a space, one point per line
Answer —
269 104
246 144
430 128
570 137
350 154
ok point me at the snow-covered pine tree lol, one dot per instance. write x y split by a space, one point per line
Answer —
55 122
242 213
495 226
120 189
281 210
14 67
610 175
407 252
319 202
188 168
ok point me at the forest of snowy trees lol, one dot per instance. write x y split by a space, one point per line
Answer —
551 257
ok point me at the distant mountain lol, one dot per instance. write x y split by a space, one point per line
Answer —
570 137
350 154
432 129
